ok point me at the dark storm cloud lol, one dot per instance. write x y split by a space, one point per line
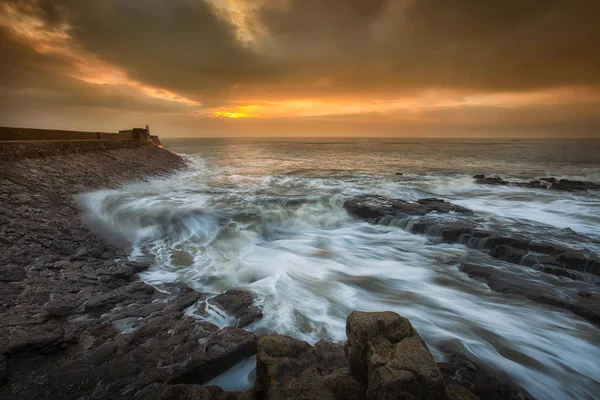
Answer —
464 44
29 79
340 47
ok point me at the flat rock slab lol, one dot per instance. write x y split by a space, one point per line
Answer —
376 207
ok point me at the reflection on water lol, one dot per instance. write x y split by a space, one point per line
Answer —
269 217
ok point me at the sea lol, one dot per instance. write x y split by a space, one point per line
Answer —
267 215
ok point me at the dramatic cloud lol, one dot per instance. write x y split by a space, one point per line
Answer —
387 66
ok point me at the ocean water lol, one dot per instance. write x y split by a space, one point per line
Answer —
268 216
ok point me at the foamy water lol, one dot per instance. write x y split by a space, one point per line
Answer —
268 216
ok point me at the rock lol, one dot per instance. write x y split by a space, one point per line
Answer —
507 253
578 261
12 273
192 392
376 207
533 185
540 291
220 351
281 358
517 242
290 369
570 185
493 181
137 292
479 176
184 392
543 247
385 351
239 303
457 392
138 266
399 174
3 369
550 180
60 266
458 370
453 232
329 357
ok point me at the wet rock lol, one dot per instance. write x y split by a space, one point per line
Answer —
12 273
542 183
533 184
329 357
3 369
399 174
344 386
517 242
138 266
239 303
507 253
580 262
482 382
290 369
137 292
571 185
280 358
41 338
183 392
538 290
498 181
457 392
454 231
219 352
376 207
544 247
385 351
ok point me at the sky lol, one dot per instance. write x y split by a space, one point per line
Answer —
442 68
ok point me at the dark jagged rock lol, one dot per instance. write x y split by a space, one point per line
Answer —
386 353
238 303
542 183
386 357
485 384
329 357
507 253
376 207
583 300
288 368
570 185
12 273
491 181
580 262
186 392
3 369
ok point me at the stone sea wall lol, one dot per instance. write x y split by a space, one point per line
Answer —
17 143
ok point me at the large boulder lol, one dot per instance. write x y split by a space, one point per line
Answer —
290 369
385 352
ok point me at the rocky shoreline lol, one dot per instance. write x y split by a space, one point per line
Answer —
75 322
568 277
